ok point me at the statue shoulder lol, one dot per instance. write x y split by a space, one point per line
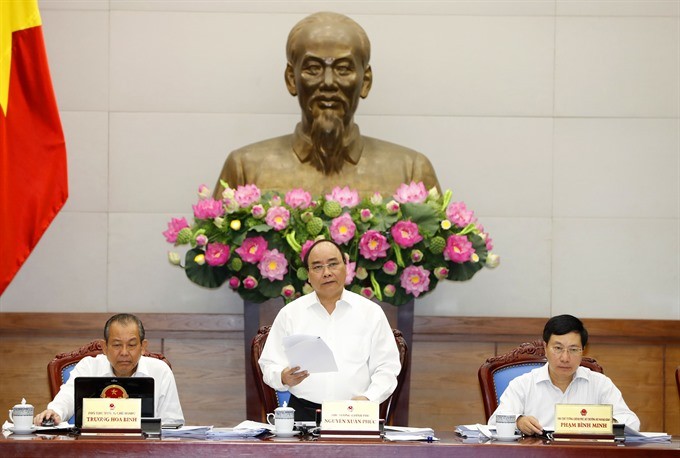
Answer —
376 146
401 163
254 151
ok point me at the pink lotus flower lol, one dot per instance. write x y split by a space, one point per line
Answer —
275 201
305 248
390 267
174 226
201 240
389 290
414 192
373 245
441 273
228 193
257 211
415 280
367 292
250 282
365 215
345 197
351 272
343 229
458 249
485 236
247 195
459 215
230 205
298 198
203 192
217 254
488 241
234 282
273 265
392 207
252 249
288 291
208 208
405 234
361 273
416 255
278 217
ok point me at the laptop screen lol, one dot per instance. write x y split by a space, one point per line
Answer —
113 387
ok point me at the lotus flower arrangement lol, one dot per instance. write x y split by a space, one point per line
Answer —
398 247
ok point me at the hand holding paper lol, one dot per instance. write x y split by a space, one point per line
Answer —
310 353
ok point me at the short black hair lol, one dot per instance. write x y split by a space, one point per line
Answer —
564 324
124 319
306 260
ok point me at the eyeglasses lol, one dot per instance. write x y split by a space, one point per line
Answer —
559 349
332 266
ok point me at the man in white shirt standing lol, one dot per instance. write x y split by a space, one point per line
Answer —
355 329
123 346
562 380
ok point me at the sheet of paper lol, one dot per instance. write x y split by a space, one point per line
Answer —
405 433
310 353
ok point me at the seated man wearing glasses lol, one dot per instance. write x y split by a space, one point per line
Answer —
355 329
532 396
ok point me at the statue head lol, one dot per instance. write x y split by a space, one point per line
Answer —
328 70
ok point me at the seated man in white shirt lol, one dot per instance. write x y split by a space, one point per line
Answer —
532 396
355 329
123 346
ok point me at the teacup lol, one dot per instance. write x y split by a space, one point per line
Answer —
284 419
22 416
505 425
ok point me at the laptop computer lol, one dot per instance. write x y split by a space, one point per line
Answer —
113 387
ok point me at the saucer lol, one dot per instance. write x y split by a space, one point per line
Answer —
22 431
286 434
506 438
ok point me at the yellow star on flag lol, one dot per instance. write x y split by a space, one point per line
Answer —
14 15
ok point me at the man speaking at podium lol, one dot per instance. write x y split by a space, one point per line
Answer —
355 329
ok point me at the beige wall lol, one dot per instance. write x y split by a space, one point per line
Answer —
557 121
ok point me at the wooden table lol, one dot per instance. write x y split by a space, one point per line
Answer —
449 446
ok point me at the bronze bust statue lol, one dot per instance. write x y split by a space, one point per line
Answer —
328 71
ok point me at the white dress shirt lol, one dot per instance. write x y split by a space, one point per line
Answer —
534 394
360 338
166 399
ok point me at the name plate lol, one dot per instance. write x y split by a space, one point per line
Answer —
584 419
117 413
350 416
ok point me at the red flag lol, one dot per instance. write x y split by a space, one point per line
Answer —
33 184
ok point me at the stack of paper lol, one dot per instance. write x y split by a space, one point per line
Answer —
468 431
194 432
637 436
403 433
233 433
208 432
